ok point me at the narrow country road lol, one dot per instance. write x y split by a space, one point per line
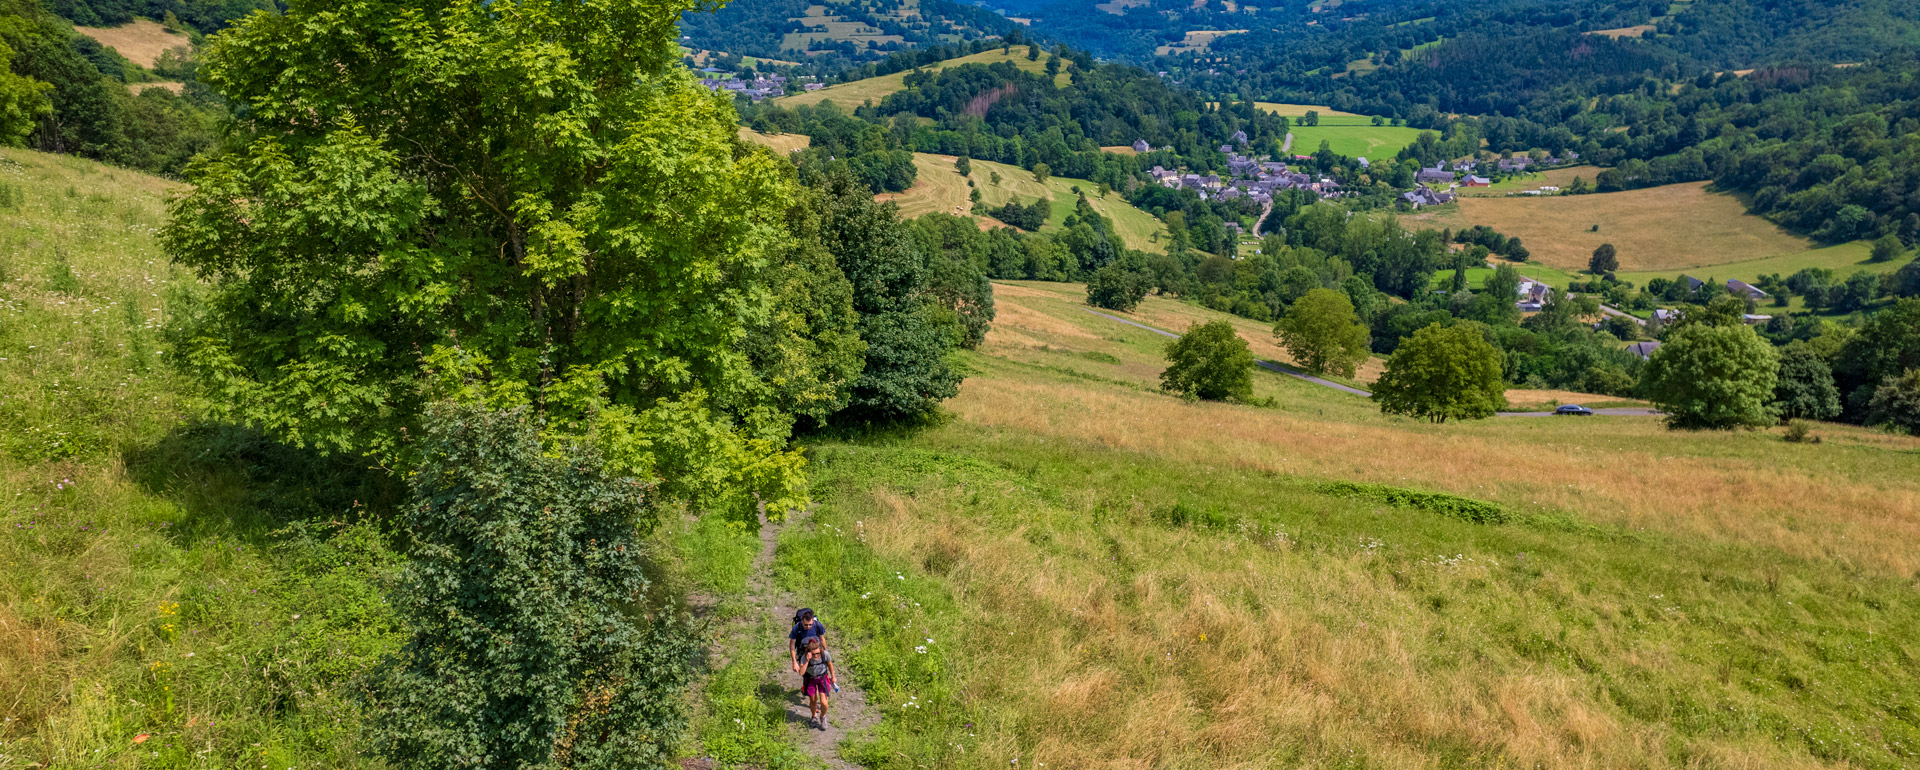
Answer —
1300 375
1287 145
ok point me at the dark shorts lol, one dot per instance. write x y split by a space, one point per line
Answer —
822 685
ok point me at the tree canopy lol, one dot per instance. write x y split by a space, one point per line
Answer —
1322 333
1442 373
1713 376
539 207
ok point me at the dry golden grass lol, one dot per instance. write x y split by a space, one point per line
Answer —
1620 32
1740 487
141 40
781 143
1519 399
1673 227
1300 110
1120 149
1624 471
858 92
1228 652
167 85
1158 312
938 188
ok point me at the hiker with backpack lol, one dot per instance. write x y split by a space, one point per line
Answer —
816 680
805 626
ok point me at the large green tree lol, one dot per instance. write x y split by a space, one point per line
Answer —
1209 362
1442 373
1323 334
531 202
1713 376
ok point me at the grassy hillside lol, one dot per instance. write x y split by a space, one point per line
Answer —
939 188
192 584
1078 571
874 89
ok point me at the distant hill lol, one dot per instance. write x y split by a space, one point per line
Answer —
834 34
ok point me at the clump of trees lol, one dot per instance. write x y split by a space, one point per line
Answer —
1029 217
1209 362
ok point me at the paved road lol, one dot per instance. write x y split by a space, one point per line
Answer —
1297 374
1621 412
1288 144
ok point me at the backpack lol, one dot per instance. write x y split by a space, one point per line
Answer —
817 666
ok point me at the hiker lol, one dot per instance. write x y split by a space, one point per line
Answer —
805 626
816 680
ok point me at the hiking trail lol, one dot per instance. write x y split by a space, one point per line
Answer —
849 711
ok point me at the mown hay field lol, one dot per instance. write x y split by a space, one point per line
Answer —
141 41
1658 230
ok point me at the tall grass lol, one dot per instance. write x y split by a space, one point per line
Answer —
1079 571
1022 599
171 594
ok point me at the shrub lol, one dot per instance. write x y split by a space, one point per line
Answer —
1463 508
524 603
1800 432
1209 362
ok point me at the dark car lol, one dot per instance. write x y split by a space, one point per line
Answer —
1574 409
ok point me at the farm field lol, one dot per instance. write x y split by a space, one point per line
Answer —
822 25
1556 177
141 41
1196 41
1843 259
1075 563
1353 137
1299 110
1620 32
938 188
858 92
1656 229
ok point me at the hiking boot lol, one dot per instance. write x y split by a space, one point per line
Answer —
824 724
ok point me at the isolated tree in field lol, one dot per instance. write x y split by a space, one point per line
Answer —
1896 403
1041 172
1033 52
1605 260
1312 118
1209 362
536 207
963 165
1713 376
1886 248
530 640
1322 333
1119 285
1442 373
1805 388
